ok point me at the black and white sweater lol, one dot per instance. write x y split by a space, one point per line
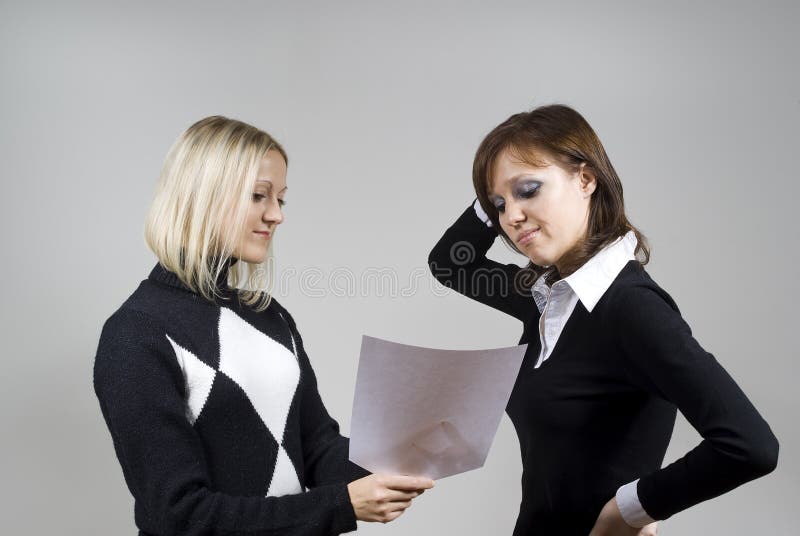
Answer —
216 418
599 412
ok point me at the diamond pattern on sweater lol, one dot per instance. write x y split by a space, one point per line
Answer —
199 378
269 374
266 372
284 478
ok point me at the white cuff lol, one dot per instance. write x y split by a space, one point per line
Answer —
630 507
481 213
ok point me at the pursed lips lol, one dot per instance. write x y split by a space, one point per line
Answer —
526 236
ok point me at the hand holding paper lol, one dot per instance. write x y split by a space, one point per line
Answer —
428 412
384 498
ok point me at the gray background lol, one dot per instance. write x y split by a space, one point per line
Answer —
381 107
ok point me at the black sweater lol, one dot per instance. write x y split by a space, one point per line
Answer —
599 412
214 413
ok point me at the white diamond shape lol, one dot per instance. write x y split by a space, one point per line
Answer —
284 478
198 378
266 371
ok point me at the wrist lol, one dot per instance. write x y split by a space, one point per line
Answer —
630 508
481 213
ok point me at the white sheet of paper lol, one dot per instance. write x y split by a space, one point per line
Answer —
422 411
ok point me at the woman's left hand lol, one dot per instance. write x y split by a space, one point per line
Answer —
611 523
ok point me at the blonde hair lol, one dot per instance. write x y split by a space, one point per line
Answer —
202 200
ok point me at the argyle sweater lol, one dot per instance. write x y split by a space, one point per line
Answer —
216 419
599 412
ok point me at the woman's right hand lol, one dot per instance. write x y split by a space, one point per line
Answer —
383 497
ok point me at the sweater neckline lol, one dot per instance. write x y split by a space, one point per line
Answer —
161 274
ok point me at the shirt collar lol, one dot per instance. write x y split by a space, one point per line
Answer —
591 281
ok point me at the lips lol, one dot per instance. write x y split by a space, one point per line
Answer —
525 237
265 234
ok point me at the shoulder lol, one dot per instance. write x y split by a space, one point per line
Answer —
132 350
138 327
643 319
129 325
634 290
126 333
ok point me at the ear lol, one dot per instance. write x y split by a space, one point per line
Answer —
588 180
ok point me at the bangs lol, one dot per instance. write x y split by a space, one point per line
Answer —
531 153
524 152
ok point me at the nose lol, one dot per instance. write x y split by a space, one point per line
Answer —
273 213
514 213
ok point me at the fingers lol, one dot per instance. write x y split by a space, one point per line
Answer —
383 498
394 495
391 516
399 505
391 511
406 483
649 530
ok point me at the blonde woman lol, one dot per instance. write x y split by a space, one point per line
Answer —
206 389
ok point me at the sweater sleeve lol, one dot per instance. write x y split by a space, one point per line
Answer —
661 356
458 261
140 388
325 450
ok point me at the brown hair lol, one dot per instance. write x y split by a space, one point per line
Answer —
560 134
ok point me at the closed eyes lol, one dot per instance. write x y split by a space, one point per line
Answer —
521 190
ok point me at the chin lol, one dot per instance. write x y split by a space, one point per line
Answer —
540 260
254 258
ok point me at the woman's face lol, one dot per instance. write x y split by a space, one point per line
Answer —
265 213
543 210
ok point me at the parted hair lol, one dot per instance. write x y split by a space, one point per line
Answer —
201 203
561 135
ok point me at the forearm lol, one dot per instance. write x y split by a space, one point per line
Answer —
458 261
662 357
737 447
462 248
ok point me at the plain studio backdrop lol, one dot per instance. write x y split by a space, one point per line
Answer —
381 107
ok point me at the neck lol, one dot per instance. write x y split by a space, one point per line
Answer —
165 275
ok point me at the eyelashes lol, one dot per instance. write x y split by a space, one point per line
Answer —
525 190
528 190
257 198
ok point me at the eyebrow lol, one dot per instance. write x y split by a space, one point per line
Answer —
270 184
516 178
524 175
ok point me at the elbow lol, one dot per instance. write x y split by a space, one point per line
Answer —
437 267
185 504
763 459
759 456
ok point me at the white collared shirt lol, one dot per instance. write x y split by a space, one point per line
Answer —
587 284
